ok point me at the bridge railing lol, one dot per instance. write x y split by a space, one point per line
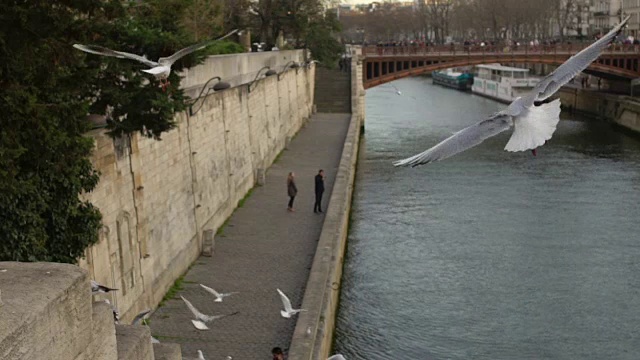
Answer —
475 50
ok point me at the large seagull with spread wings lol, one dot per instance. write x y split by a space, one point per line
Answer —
161 68
533 125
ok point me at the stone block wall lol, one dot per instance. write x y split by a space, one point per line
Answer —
158 197
47 313
621 110
237 69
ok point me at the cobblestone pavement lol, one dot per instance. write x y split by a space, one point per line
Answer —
263 247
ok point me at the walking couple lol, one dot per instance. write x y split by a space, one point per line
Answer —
292 191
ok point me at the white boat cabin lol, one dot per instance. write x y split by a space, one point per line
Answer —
502 82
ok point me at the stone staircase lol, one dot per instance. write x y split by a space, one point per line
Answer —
332 91
46 312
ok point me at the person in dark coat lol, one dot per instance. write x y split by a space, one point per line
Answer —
277 353
292 190
319 191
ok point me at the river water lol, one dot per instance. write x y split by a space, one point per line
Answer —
489 254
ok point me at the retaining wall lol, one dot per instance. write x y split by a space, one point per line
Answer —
158 198
313 334
621 110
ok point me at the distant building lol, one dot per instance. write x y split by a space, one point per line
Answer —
605 15
632 7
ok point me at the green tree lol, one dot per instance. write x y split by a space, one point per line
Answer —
203 18
47 89
43 155
321 41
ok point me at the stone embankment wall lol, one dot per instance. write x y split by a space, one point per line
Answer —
620 110
46 313
313 334
237 69
162 201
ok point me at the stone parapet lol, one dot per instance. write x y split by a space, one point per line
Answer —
48 314
313 334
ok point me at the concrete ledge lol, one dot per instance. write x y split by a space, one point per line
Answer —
46 312
166 351
103 334
617 109
313 334
134 342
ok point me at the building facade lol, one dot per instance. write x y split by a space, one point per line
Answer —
632 8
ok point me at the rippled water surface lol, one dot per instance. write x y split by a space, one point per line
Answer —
489 254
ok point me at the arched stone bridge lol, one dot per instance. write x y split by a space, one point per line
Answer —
384 64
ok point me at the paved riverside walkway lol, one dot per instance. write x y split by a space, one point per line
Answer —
263 247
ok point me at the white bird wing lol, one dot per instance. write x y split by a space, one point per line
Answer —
201 355
196 313
99 50
199 325
285 301
169 60
336 357
140 316
570 68
210 290
460 141
156 70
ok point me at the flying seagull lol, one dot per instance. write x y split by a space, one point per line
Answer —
161 68
288 310
140 317
336 357
116 314
200 355
397 90
201 318
219 296
533 125
97 288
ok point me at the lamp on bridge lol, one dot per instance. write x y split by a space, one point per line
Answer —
220 85
269 72
290 65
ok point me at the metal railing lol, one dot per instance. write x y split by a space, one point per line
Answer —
449 50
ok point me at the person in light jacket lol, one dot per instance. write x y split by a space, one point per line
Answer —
292 190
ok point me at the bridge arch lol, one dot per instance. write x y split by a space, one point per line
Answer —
382 68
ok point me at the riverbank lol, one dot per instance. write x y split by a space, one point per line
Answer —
314 332
623 111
